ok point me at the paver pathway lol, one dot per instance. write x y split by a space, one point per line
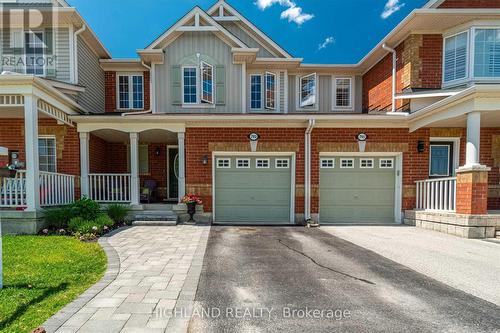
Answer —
159 269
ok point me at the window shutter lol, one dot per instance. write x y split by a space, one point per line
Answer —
220 86
175 84
50 68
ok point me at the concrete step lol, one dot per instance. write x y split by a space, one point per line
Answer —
154 223
497 234
157 207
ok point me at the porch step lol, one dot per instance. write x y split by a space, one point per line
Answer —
497 234
154 218
154 223
157 207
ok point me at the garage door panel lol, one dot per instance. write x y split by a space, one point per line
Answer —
235 180
235 214
254 196
369 197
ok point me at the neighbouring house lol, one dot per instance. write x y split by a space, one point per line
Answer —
215 107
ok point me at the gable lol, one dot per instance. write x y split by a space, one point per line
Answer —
462 4
250 41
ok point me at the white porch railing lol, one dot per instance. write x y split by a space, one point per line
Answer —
109 187
437 194
56 189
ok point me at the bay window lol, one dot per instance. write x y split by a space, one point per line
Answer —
343 93
270 91
487 53
455 57
307 91
130 91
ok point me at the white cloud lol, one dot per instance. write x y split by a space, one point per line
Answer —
326 42
391 7
293 13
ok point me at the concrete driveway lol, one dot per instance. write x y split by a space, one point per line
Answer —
295 279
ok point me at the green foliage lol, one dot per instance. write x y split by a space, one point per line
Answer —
104 221
58 218
94 227
86 208
117 212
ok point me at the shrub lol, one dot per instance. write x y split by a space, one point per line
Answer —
86 209
58 218
117 212
82 226
104 221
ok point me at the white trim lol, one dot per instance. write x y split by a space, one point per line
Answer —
467 60
244 87
449 173
472 65
223 166
369 160
190 104
335 107
261 91
245 160
380 166
204 63
298 89
263 160
169 197
275 89
281 160
292 172
350 161
327 160
130 76
398 191
456 150
52 137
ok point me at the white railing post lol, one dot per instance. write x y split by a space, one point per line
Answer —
182 164
84 164
108 188
134 168
31 146
436 194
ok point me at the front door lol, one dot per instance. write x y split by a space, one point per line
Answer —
173 173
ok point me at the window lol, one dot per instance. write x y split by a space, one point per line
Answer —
282 163
343 92
455 57
308 91
386 163
223 163
130 91
34 47
346 163
440 160
262 163
366 163
487 53
47 154
243 163
143 159
256 91
190 85
207 80
328 163
270 91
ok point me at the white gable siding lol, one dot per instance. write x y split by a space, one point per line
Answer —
247 39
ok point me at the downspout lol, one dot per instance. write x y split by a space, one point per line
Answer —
151 89
75 51
394 64
307 169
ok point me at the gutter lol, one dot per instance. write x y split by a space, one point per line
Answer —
75 51
307 175
394 64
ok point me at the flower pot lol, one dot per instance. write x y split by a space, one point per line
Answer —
191 209
7 173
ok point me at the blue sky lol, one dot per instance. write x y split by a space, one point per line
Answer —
345 29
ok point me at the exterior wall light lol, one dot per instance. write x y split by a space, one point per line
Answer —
158 151
421 146
204 160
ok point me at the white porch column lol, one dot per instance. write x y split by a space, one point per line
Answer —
473 139
31 146
182 165
134 168
84 164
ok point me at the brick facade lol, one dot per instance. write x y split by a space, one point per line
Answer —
111 90
470 4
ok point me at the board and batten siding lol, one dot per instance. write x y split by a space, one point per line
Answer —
90 76
207 45
325 90
247 39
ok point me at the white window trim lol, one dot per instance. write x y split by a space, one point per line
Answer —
334 94
473 51
282 160
24 32
467 60
262 159
223 167
197 84
386 167
298 80
130 90
327 167
366 167
347 167
203 63
243 167
53 137
275 90
262 92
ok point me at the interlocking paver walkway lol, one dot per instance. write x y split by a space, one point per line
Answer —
159 271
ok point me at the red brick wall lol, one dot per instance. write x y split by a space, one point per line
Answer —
97 155
486 158
470 4
431 54
110 87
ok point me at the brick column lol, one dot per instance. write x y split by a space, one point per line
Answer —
472 190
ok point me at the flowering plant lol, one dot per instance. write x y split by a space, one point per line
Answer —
191 198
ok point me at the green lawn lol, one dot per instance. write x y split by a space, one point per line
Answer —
41 275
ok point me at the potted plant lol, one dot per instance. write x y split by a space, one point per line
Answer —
191 200
8 171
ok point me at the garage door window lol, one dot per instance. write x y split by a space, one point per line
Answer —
262 163
347 163
328 163
223 163
366 163
243 163
386 163
282 163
